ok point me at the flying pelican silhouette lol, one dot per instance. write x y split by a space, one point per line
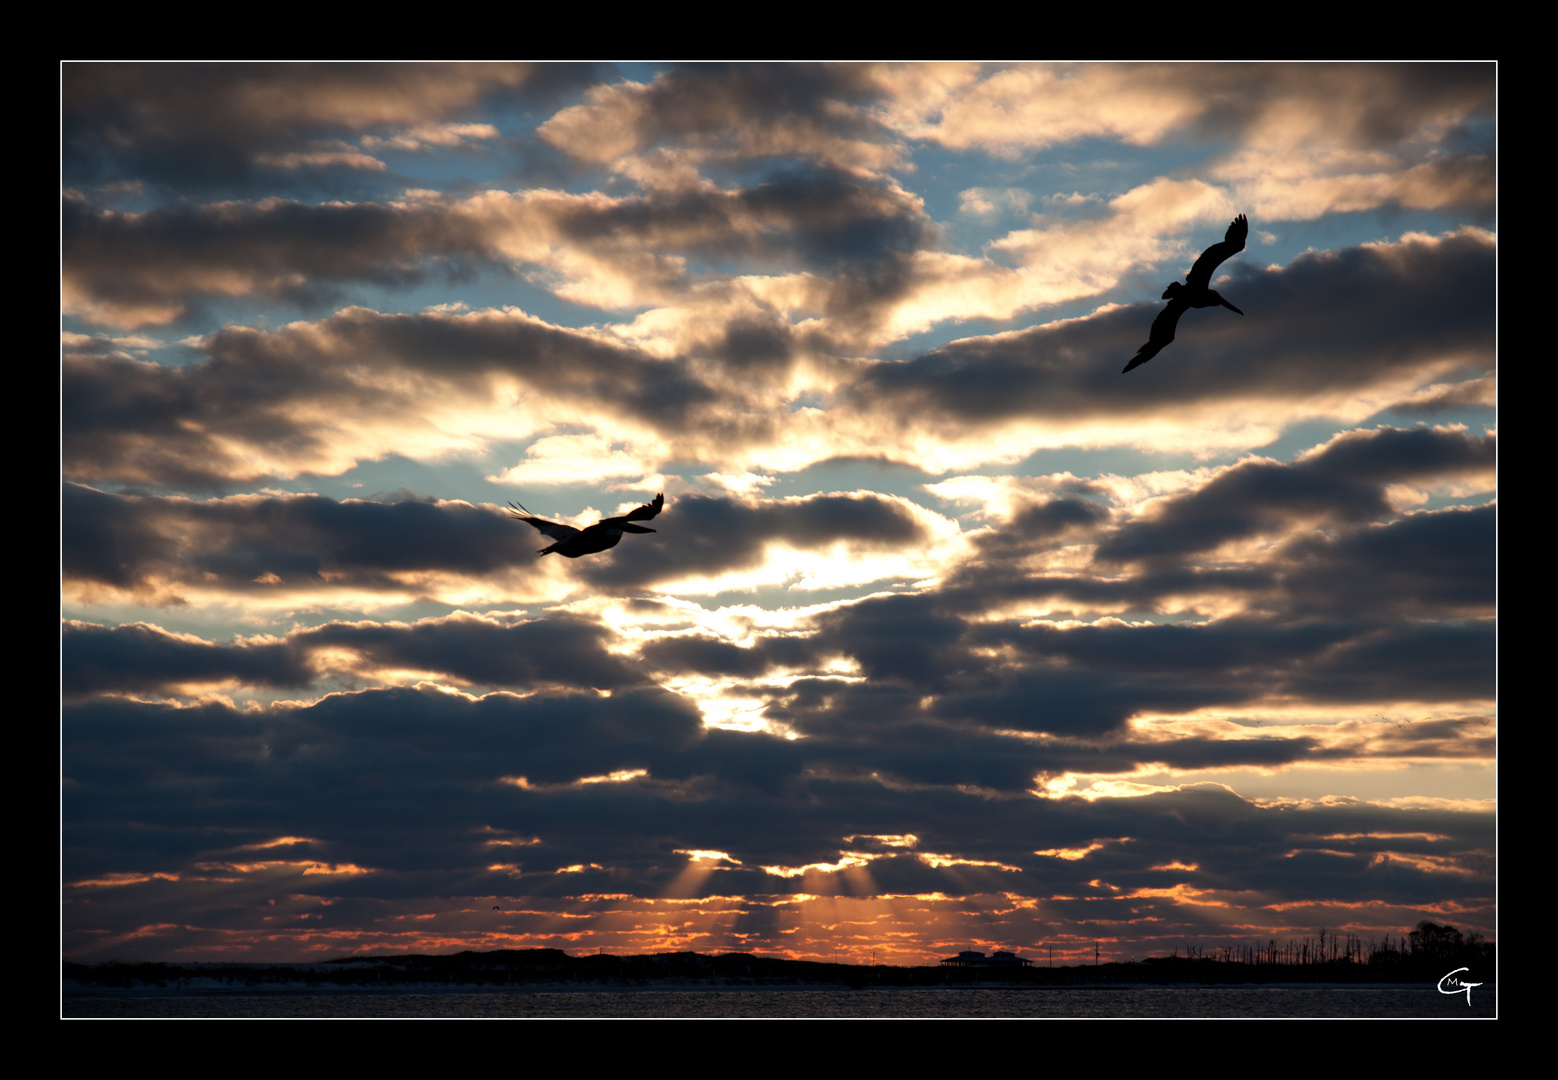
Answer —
571 542
1196 292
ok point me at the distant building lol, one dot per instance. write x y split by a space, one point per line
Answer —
971 959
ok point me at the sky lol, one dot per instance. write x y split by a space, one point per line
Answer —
950 635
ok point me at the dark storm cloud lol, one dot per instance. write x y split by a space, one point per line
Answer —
1436 563
1044 698
405 782
1248 659
108 540
923 661
699 655
1429 663
214 125
548 738
1043 526
251 544
715 535
990 583
466 350
1236 845
148 266
1054 517
1221 843
1342 482
557 651
297 541
139 657
867 733
1329 322
1212 651
132 269
939 705
1351 555
746 111
802 217
904 639
395 775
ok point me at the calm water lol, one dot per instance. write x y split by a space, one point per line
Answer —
1348 1001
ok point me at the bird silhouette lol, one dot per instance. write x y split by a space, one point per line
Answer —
571 542
1195 292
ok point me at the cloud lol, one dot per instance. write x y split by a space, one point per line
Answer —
145 268
411 783
1130 658
1036 106
430 136
1309 139
1335 333
559 651
1343 481
722 543
319 397
986 201
727 114
1437 561
140 657
1057 260
1332 533
572 459
206 125
274 549
279 550
134 269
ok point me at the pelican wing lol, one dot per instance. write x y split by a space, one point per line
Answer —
642 513
1200 276
551 528
1162 332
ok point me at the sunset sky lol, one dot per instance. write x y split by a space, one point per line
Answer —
950 636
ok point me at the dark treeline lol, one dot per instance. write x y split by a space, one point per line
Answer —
1424 954
1427 948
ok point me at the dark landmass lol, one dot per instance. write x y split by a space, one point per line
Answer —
553 968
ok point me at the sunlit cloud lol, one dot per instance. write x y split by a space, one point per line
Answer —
572 459
845 862
429 136
948 636
1035 106
334 155
305 867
